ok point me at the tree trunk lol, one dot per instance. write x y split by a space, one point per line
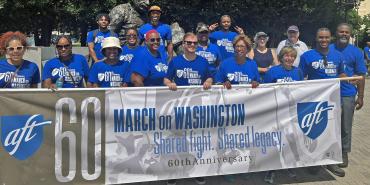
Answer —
83 29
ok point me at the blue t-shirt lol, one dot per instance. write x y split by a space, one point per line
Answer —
211 54
152 68
313 66
354 63
224 40
164 31
367 51
98 41
236 73
73 72
184 72
129 54
278 74
106 75
27 75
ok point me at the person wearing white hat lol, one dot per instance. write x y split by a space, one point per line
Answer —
111 72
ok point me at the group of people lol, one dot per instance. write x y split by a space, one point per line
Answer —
146 58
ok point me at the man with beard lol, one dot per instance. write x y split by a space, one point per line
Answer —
164 30
354 66
323 63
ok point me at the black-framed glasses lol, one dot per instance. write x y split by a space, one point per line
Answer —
152 40
131 36
18 48
63 46
189 43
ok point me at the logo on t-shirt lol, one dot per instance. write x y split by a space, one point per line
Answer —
313 117
227 44
193 76
22 135
114 79
99 39
127 57
330 68
285 79
17 81
67 74
210 57
160 67
239 77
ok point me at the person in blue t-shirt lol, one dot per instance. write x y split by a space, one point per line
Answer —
70 68
15 72
354 65
164 30
224 37
189 68
286 71
239 69
367 54
96 37
322 62
111 72
150 66
131 47
207 50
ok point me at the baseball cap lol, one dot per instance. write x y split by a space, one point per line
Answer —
293 28
260 34
201 27
155 8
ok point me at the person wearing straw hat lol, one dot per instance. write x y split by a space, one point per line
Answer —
111 72
164 30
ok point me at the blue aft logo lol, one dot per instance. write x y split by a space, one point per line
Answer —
22 135
313 117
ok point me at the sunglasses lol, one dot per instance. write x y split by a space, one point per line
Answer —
11 49
131 36
152 40
63 46
189 43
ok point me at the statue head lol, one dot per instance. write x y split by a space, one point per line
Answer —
140 5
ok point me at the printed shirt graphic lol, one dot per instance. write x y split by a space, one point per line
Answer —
278 74
212 54
22 135
100 36
184 72
106 75
164 31
77 67
129 54
28 74
224 41
312 65
354 63
152 68
238 73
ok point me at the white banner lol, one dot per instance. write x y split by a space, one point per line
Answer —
156 134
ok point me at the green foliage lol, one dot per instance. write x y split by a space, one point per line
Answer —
273 17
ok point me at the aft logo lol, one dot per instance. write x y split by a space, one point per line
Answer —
313 117
22 135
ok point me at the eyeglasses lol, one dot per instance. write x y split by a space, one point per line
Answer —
152 40
240 46
63 46
131 36
11 49
189 43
